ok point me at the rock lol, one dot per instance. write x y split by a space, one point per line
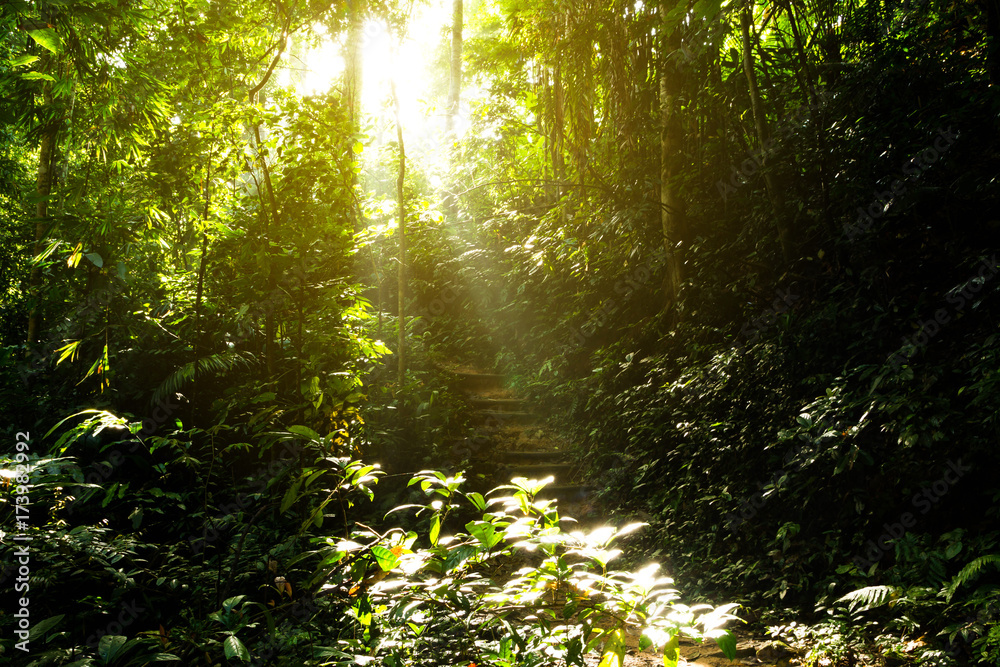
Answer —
775 652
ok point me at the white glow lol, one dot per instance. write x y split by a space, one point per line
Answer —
384 57
326 66
409 63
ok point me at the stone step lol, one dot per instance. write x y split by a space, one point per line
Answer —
532 455
537 470
497 404
565 492
501 418
479 381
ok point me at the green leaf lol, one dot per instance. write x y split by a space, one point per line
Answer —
484 532
305 432
478 500
435 529
672 652
385 558
26 59
870 597
110 646
314 476
727 643
614 650
34 76
47 38
290 496
707 9
235 649
230 603
155 657
40 629
96 259
68 351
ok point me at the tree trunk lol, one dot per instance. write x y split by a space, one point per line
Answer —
353 65
201 281
43 188
454 94
455 89
585 118
671 204
270 226
763 137
401 201
558 128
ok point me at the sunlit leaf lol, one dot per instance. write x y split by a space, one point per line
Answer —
672 652
26 59
234 648
305 432
614 650
385 558
47 38
435 528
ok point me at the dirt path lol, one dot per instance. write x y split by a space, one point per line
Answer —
693 654
520 444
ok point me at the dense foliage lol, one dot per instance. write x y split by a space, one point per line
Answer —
814 413
744 252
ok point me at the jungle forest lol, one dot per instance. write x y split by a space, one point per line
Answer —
500 333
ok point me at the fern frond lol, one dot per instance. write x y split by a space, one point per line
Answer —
216 363
971 571
871 597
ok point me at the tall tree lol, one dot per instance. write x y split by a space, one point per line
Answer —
455 86
763 135
401 207
672 218
353 61
43 190
454 92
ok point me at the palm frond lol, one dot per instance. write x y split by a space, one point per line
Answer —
216 363
871 597
971 571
